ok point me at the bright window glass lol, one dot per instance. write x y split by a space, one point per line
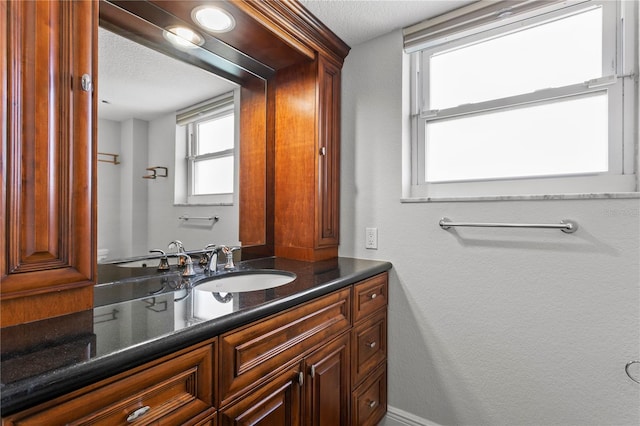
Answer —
215 135
213 176
552 54
554 138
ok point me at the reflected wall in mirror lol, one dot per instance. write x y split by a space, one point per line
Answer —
138 66
140 91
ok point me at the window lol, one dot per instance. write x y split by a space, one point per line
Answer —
538 103
209 134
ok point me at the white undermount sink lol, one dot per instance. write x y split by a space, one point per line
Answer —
246 281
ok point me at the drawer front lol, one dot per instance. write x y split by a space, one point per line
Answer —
253 353
369 401
173 392
276 403
369 346
369 296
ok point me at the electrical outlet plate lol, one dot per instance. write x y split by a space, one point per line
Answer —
371 238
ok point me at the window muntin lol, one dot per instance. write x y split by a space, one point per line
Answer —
453 120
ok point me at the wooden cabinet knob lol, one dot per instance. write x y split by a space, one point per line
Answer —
371 344
373 296
372 404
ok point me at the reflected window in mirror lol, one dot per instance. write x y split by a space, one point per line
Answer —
206 136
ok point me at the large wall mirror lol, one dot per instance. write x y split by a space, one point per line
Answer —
153 94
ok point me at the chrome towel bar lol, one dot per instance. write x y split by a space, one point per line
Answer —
187 217
567 226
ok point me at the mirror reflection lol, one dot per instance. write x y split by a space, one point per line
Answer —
168 138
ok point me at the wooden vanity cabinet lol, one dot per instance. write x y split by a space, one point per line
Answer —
308 365
177 389
314 364
369 351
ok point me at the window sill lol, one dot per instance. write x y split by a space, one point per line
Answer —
584 196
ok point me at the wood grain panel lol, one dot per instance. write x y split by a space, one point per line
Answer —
370 295
177 389
48 201
253 173
277 403
369 345
328 189
369 401
327 389
249 355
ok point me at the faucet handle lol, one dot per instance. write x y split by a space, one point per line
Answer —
188 270
204 257
164 262
228 251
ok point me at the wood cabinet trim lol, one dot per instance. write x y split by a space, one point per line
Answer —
49 174
370 295
189 374
368 345
246 353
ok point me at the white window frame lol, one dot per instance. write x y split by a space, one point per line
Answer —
186 152
620 59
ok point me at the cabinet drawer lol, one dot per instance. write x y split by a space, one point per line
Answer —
252 354
176 391
369 346
276 403
369 296
369 401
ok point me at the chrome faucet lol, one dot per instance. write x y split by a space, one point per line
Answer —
164 262
204 257
179 249
212 265
228 251
188 269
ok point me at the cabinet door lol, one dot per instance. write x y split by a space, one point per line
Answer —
276 403
47 212
328 208
327 392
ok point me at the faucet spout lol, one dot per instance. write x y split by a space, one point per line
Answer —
212 265
179 250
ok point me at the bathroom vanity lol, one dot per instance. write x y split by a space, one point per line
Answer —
309 352
154 349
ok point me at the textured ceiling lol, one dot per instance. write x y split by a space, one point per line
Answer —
357 21
141 83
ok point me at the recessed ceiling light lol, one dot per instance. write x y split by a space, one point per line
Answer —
213 19
183 37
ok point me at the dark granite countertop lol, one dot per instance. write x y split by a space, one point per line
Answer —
140 317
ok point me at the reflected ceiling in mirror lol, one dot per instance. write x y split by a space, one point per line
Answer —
138 82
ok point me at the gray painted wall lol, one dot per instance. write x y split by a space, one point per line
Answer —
489 326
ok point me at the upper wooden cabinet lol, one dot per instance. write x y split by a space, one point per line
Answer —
48 213
307 152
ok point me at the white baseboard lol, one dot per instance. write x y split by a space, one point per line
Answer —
398 417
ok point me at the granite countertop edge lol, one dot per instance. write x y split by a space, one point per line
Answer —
31 392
